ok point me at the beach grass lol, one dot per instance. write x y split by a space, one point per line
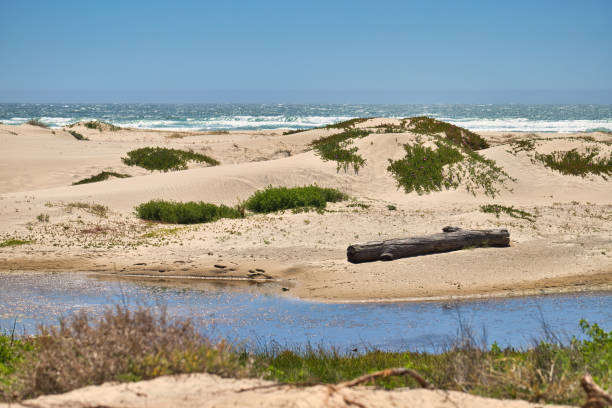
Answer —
497 209
77 135
132 345
37 122
574 163
164 159
103 175
337 148
274 199
462 137
11 242
100 126
185 213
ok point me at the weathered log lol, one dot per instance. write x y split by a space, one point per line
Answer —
596 396
451 239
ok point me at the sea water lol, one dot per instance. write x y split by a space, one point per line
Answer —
508 118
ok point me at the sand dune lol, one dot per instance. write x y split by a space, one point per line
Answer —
568 247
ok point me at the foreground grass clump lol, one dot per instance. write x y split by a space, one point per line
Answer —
104 175
336 148
185 213
14 242
282 198
36 122
511 211
122 345
426 170
457 135
576 164
161 158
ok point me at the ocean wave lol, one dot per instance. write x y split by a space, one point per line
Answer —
527 125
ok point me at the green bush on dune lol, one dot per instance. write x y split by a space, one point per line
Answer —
282 198
337 148
104 175
164 159
185 213
574 163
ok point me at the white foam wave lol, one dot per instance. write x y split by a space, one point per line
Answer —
526 125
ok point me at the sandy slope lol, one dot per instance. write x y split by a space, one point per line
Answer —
567 248
204 390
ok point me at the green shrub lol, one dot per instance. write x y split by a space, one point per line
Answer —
161 158
292 131
77 135
458 135
95 124
336 148
15 242
104 175
425 170
346 124
282 198
37 122
525 145
511 211
576 164
184 213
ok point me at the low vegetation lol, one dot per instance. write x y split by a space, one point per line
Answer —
425 170
462 137
524 145
11 242
337 148
37 122
185 213
347 124
96 124
282 198
164 159
292 131
574 163
77 135
104 175
92 208
511 211
124 345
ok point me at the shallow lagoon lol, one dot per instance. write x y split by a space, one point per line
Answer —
260 316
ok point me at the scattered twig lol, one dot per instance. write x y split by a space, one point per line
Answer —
596 396
391 372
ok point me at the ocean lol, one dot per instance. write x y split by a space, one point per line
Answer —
509 118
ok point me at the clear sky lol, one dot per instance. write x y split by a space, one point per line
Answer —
306 51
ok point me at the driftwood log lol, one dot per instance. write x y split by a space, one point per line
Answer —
451 239
596 396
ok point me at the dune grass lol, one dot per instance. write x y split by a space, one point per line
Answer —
337 148
103 175
164 159
282 198
575 163
36 122
457 135
497 209
11 242
77 135
124 345
99 125
425 170
185 213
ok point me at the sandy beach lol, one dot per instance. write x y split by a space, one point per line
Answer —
567 248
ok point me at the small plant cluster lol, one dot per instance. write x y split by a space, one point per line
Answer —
274 199
124 345
347 124
92 208
164 159
104 175
185 213
292 131
77 135
524 145
511 211
336 148
96 124
42 217
269 200
37 122
11 242
462 137
426 170
574 163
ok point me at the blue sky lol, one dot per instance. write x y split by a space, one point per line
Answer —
306 51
